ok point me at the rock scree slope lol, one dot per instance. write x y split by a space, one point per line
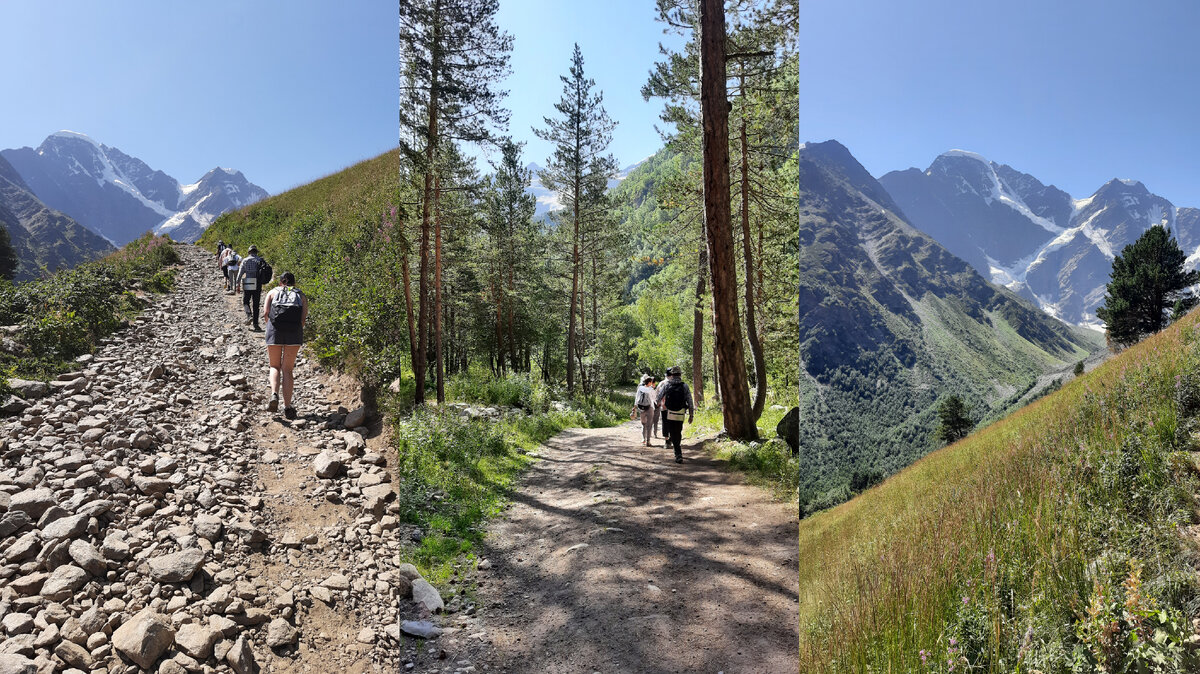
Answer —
154 518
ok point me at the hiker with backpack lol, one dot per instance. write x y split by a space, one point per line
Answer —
253 274
230 264
653 384
284 310
221 248
643 400
674 398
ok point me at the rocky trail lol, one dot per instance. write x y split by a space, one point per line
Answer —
154 517
614 559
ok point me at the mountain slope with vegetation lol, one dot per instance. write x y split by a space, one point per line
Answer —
891 324
1059 539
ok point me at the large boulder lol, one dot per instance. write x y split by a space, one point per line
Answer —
427 595
12 663
144 637
28 389
789 429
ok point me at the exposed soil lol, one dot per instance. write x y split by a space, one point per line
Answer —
615 559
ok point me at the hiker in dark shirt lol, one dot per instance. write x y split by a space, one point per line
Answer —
247 276
673 398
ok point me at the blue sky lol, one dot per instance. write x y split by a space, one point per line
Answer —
619 41
284 91
1072 92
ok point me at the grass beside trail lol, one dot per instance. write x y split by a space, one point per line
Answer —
64 316
1055 540
455 473
768 462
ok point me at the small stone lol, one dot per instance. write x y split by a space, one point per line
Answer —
366 636
322 593
88 557
176 567
241 658
427 595
17 623
280 633
74 655
63 582
356 418
66 527
196 640
327 466
420 628
337 582
13 663
32 502
144 637
207 526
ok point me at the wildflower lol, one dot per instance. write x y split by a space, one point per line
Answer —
965 600
924 656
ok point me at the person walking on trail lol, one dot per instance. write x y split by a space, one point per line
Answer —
221 247
232 262
643 399
675 398
653 383
249 275
284 310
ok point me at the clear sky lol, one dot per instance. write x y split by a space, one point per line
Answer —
1073 92
285 91
619 41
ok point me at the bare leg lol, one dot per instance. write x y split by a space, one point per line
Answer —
275 353
289 361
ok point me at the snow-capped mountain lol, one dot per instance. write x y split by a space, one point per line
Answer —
119 196
44 239
549 201
1033 238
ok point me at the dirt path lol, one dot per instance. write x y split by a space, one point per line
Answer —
615 559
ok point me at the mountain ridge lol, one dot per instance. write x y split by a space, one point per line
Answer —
119 196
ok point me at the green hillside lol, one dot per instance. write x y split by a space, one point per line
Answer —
1056 540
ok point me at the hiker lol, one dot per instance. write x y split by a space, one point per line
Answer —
674 397
285 310
644 401
232 262
653 383
249 276
220 252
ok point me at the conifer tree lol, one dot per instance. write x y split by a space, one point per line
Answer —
954 420
1148 280
578 171
452 57
8 256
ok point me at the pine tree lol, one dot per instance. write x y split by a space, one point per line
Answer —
714 113
578 171
955 421
453 55
8 256
1148 280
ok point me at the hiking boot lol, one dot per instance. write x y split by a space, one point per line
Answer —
289 413
679 459
273 406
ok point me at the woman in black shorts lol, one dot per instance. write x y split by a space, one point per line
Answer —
284 310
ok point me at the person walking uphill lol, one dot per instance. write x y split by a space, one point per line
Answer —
251 275
230 263
644 401
674 397
284 311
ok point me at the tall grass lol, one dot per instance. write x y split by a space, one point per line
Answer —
1049 541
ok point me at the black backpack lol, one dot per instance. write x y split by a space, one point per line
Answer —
287 308
265 273
675 397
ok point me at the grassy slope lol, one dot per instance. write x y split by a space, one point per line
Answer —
357 193
1020 533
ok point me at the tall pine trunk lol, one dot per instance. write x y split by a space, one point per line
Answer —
437 299
738 413
698 328
420 363
760 363
574 296
408 305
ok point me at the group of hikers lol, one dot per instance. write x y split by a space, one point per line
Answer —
668 401
284 310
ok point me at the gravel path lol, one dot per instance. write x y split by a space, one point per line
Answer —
153 516
614 559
